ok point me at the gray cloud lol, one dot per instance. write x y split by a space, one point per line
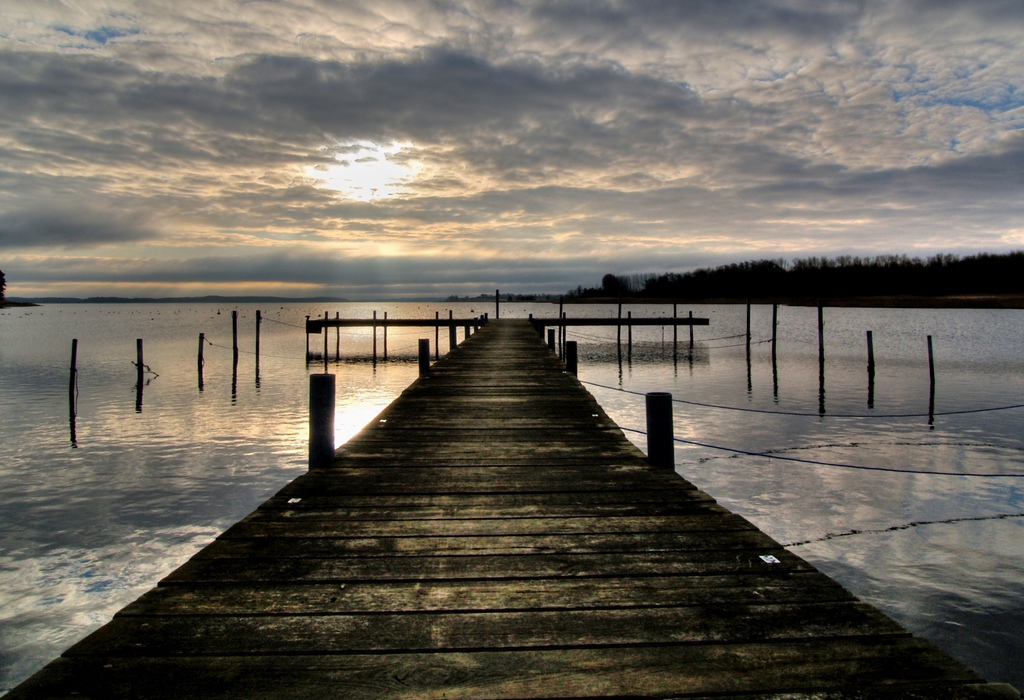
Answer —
62 227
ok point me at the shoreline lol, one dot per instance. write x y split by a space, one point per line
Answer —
959 301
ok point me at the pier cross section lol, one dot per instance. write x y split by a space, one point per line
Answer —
492 533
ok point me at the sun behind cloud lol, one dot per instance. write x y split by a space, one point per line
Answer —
366 170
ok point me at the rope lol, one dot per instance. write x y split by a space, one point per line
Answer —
905 526
290 325
746 409
839 465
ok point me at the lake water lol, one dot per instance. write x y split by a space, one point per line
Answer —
99 507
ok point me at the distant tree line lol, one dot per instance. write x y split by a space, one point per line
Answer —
3 285
843 276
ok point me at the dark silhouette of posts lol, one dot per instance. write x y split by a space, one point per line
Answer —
385 336
326 336
437 336
871 370
691 333
374 337
571 358
551 339
452 340
139 374
660 440
931 385
259 322
199 359
424 348
497 303
337 337
675 332
748 324
234 338
72 387
321 420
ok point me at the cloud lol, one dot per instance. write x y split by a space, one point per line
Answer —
63 226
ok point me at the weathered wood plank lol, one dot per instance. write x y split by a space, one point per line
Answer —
854 669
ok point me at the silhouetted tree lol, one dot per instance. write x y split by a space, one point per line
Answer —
3 284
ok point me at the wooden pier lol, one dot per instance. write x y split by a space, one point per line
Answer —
492 534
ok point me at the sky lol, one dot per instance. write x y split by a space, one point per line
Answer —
402 149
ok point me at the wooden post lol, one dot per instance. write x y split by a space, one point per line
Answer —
375 337
748 322
437 336
821 333
551 339
931 385
326 331
321 420
629 345
307 340
571 358
931 364
561 330
775 325
618 337
497 304
385 336
871 354
660 440
259 322
234 337
691 332
337 338
452 340
138 384
675 330
199 359
424 356
73 379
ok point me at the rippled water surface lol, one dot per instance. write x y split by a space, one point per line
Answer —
98 507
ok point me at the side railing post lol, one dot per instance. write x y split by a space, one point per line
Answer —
571 358
660 440
424 356
321 420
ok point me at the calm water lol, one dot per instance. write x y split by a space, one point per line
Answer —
97 509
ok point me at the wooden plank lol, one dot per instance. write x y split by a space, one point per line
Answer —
841 668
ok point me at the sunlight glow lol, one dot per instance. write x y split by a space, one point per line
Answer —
366 170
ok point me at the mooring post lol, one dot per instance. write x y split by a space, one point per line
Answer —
629 344
660 440
931 364
72 381
234 337
259 321
307 340
571 358
691 332
337 337
326 335
385 336
563 329
497 304
452 340
931 385
375 337
437 335
551 339
424 356
675 330
138 358
871 353
775 326
748 323
199 359
321 420
821 333
618 336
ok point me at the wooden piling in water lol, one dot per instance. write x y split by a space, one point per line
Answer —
691 332
199 358
571 358
321 420
660 438
234 337
337 338
374 336
497 303
775 328
424 356
385 336
73 379
437 337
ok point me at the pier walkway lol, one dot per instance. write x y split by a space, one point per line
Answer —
493 534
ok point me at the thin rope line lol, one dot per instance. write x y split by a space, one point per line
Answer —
817 415
839 465
905 526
